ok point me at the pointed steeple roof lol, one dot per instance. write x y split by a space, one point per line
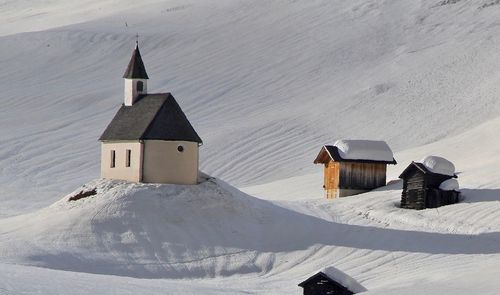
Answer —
135 68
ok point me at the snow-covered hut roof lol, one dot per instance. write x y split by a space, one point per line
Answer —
438 165
339 277
343 279
432 165
365 151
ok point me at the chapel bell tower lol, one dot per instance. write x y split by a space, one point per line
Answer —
136 78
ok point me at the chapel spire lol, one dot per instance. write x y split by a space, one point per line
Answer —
136 68
135 77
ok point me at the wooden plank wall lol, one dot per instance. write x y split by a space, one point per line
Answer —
345 175
413 195
362 175
331 182
422 191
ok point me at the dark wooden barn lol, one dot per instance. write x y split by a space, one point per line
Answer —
346 176
331 281
421 188
321 284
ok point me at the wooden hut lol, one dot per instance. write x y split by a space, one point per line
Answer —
354 166
423 184
331 281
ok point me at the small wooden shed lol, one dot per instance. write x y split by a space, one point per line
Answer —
423 184
331 281
354 166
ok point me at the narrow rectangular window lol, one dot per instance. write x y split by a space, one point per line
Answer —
127 161
113 158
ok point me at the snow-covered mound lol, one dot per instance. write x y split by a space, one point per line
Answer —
145 230
439 165
149 230
214 230
364 150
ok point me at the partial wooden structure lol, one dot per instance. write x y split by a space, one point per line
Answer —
421 188
347 177
331 281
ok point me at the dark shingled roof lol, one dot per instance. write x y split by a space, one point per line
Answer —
333 153
135 68
153 116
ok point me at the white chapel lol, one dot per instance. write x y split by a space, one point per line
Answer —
150 138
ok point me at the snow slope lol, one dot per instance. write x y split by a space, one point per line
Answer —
474 153
150 231
264 83
215 231
216 235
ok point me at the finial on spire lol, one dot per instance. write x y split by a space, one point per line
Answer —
137 40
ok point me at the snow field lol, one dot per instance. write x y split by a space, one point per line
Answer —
272 83
265 84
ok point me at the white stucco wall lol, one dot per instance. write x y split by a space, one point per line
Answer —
163 163
120 171
131 92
